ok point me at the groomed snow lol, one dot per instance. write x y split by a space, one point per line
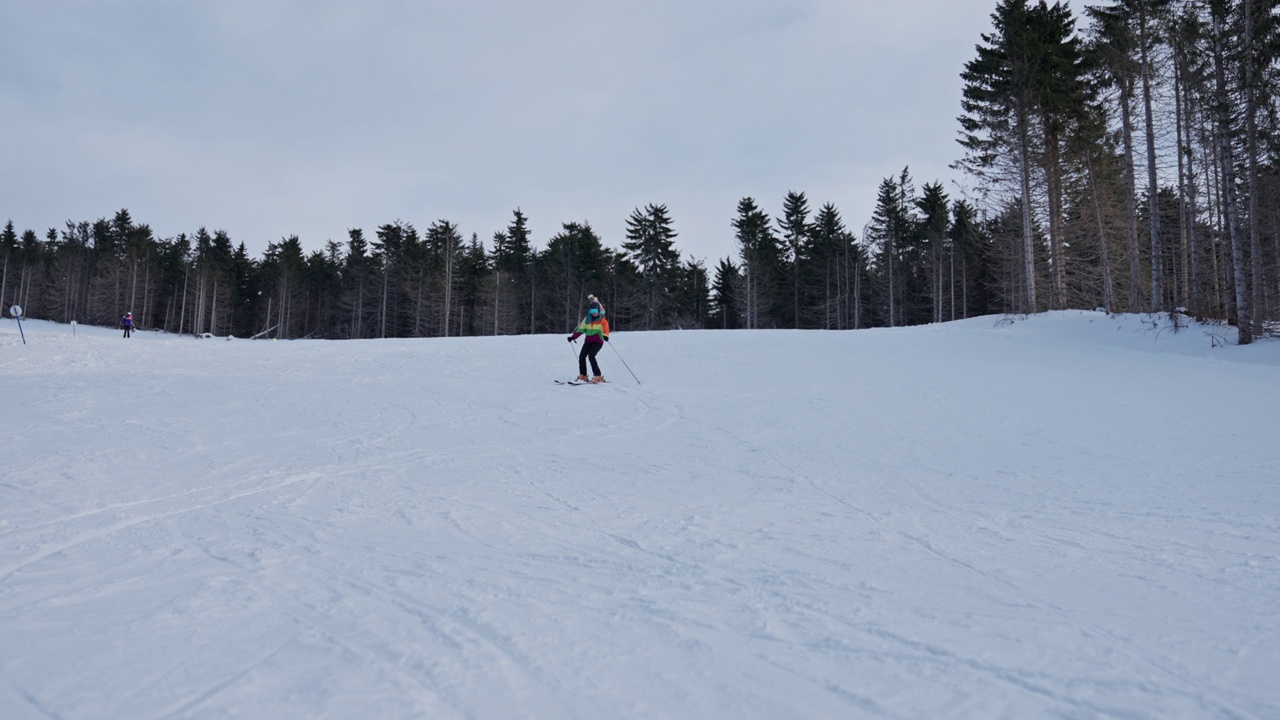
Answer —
1069 515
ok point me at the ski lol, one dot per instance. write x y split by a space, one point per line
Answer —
579 382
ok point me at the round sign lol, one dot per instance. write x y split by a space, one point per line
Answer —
16 310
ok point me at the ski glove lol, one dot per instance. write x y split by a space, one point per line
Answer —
570 338
606 338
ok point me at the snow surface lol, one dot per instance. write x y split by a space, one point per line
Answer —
1069 515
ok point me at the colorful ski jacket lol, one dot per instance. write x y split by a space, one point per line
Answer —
596 329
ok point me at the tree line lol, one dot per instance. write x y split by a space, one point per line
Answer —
1132 165
1129 165
802 269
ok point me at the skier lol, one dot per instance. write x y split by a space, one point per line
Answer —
596 329
127 322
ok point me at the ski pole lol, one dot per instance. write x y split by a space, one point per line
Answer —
624 363
574 349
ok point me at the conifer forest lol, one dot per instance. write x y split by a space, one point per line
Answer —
1125 156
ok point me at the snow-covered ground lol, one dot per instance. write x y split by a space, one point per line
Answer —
1070 515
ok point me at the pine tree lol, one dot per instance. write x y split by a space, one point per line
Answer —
388 251
892 229
690 297
244 282
445 251
8 245
574 264
1126 32
934 224
795 228
1113 53
650 244
1060 96
724 295
967 253
473 270
512 282
357 277
997 127
284 270
761 255
837 273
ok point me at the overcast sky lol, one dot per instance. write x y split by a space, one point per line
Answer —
268 118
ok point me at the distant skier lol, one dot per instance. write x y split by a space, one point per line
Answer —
127 322
596 329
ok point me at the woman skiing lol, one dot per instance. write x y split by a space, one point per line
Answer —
127 322
595 328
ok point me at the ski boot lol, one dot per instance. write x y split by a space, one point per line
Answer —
598 379
583 378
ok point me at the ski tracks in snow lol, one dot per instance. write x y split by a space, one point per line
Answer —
83 527
432 529
380 616
901 509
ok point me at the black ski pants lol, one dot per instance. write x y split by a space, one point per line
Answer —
589 350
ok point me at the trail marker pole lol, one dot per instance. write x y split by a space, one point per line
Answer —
16 312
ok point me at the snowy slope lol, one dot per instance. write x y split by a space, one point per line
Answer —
1069 515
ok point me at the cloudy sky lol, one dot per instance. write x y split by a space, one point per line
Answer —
268 118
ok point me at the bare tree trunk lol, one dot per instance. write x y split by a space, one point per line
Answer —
213 311
147 296
857 292
448 284
1131 193
828 304
1185 219
1057 254
182 317
28 274
1195 295
133 286
1028 241
1244 323
382 312
795 271
893 294
198 321
1251 104
1153 187
844 291
1103 243
358 321
1213 192
952 282
286 309
417 306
